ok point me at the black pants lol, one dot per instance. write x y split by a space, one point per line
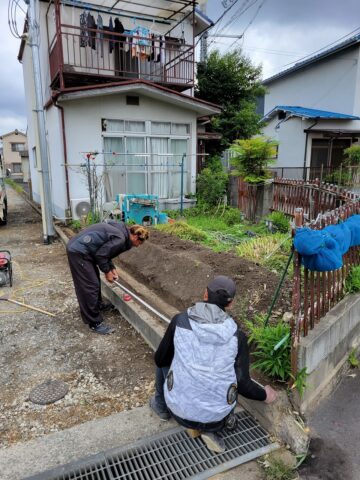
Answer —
86 278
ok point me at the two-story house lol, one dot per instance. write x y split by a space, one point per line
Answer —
313 110
13 144
118 79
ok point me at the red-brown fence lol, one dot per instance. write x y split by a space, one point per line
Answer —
313 197
315 293
247 199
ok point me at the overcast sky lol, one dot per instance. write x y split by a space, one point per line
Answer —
277 32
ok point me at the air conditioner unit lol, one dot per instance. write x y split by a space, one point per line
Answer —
80 207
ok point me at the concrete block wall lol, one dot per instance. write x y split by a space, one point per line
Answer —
325 350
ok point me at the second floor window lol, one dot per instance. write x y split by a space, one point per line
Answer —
18 147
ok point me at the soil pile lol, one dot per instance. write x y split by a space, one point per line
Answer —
179 270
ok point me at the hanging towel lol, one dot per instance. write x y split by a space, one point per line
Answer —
111 29
83 26
100 34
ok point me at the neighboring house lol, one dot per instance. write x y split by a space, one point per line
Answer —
117 80
13 144
313 110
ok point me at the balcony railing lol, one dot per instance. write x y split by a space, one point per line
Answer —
103 56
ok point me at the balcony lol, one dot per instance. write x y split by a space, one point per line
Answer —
85 56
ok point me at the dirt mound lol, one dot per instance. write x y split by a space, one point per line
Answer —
179 270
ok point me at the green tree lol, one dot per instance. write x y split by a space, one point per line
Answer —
231 81
253 156
352 155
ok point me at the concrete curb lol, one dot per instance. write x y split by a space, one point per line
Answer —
277 418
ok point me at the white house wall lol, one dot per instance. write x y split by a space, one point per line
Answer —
32 131
328 85
56 157
83 132
291 138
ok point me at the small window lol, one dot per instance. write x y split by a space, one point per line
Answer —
112 125
132 100
34 157
134 126
180 128
16 168
17 147
161 128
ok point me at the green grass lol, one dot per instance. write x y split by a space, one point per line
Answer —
18 188
223 235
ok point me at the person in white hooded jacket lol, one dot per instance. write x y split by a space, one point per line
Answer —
202 364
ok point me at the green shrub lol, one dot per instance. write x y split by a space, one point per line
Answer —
76 225
253 157
353 155
211 186
352 282
274 363
183 230
280 221
342 177
231 216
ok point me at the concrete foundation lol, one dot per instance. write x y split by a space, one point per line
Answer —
325 350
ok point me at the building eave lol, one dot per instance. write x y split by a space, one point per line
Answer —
201 107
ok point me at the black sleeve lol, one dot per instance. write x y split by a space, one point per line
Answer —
109 250
246 386
165 352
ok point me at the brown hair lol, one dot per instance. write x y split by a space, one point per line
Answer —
141 232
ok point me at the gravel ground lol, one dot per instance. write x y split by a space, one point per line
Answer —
105 374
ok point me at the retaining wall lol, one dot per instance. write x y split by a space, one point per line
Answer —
324 352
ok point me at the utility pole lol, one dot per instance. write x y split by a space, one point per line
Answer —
46 200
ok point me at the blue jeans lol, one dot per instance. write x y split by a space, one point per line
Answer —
160 377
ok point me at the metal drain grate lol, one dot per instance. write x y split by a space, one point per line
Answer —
172 455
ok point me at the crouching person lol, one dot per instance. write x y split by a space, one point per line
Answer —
202 364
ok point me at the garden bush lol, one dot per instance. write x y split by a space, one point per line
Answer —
211 183
352 282
280 221
274 363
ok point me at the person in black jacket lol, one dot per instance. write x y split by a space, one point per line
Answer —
92 249
202 364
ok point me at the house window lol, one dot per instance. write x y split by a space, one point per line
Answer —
16 168
327 155
34 157
18 147
161 128
146 158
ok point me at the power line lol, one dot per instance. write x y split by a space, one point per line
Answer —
248 25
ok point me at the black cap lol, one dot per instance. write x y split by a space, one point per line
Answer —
224 286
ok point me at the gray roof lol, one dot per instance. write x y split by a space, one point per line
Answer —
350 42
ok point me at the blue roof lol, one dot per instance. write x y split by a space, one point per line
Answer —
315 58
308 113
204 16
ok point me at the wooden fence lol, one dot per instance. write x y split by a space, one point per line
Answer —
315 293
313 197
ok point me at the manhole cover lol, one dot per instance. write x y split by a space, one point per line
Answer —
48 392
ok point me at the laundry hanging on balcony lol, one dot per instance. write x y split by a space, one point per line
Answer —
322 250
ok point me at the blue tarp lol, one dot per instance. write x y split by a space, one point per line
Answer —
322 250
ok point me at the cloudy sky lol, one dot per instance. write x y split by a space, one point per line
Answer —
277 33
